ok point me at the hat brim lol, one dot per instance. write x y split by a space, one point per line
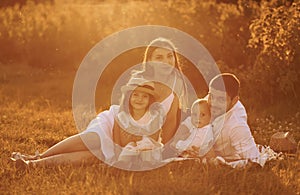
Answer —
126 88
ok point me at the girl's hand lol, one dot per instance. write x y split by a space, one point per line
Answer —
192 152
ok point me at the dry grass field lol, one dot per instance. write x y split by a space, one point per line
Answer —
41 46
36 113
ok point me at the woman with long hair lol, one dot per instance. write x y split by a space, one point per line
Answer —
161 64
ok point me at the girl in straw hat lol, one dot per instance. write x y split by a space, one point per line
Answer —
135 125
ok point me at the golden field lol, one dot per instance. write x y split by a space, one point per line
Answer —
36 112
38 63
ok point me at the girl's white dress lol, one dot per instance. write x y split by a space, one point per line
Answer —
149 124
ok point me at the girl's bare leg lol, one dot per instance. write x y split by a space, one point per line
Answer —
75 143
74 158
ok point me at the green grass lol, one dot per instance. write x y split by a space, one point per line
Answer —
36 113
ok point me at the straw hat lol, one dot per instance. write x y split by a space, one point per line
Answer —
283 142
140 84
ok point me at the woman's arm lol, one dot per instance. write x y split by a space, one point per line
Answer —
172 121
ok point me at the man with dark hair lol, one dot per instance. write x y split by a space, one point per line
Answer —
233 138
223 93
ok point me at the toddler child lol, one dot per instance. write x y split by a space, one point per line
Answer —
195 132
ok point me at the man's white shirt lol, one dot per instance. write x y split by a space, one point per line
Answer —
233 138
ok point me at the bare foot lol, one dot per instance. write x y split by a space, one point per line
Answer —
18 155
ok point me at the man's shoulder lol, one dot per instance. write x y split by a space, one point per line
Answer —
237 116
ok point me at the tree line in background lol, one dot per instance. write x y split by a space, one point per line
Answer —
257 40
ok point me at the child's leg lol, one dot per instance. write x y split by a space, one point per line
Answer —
74 158
74 143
